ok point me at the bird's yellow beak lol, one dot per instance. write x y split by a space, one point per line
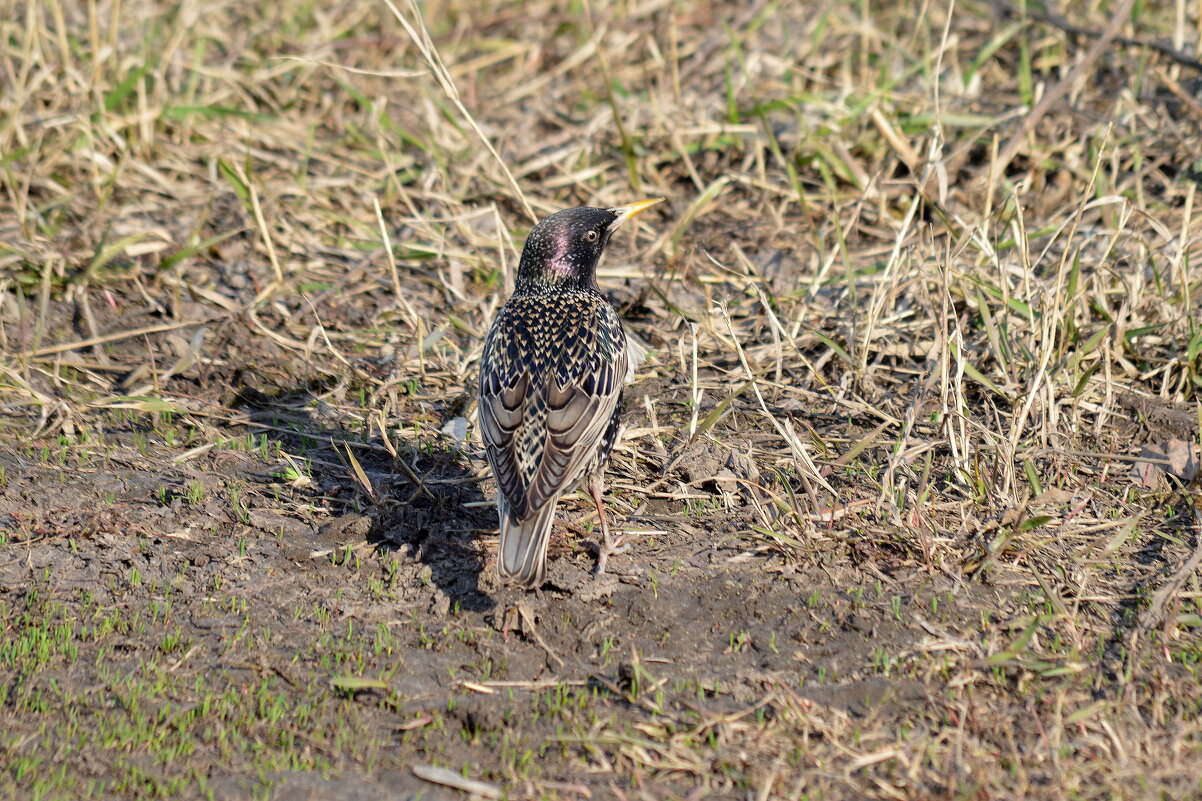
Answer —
631 209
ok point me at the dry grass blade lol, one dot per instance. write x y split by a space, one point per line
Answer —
421 39
133 333
1056 93
449 778
360 476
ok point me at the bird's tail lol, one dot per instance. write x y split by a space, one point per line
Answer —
523 551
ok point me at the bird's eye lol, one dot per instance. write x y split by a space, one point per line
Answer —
591 236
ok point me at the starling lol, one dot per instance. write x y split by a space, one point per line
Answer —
551 379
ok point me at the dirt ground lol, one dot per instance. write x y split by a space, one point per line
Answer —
909 478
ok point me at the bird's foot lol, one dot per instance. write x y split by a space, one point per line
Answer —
609 545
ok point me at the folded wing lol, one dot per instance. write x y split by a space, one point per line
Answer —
544 410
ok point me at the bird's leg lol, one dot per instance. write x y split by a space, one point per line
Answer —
610 544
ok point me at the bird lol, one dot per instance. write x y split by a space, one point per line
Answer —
552 372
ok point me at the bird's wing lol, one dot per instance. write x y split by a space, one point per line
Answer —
634 357
547 394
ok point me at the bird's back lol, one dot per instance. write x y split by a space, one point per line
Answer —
550 384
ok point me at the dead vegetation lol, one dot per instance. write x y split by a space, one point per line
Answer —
912 466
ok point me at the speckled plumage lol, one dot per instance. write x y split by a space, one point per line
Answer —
551 378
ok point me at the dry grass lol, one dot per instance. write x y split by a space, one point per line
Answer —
931 275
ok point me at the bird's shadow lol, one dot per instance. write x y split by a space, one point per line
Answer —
425 502
436 518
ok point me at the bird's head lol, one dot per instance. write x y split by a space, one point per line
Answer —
563 250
